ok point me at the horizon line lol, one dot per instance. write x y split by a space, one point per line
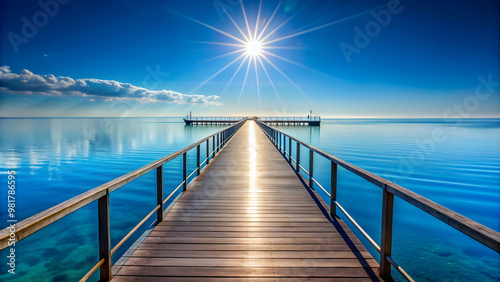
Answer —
70 117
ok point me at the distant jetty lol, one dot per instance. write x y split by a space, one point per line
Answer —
309 121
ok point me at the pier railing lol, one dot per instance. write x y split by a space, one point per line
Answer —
101 194
477 231
215 118
314 118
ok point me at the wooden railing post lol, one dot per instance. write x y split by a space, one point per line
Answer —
213 144
208 149
198 155
218 142
159 193
333 191
104 237
281 140
284 145
184 171
298 157
278 141
386 240
289 150
311 162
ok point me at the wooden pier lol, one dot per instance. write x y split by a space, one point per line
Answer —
249 211
249 216
308 121
212 120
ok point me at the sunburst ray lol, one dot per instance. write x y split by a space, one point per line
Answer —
256 45
235 73
217 73
270 80
316 28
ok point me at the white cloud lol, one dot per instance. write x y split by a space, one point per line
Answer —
28 83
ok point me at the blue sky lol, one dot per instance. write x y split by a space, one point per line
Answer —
150 58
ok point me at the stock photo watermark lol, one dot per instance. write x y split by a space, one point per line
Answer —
11 220
455 113
155 74
225 6
363 37
31 26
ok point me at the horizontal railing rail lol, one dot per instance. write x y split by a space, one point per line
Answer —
216 118
473 229
313 118
101 193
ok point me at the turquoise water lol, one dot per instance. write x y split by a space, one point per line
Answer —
57 159
456 164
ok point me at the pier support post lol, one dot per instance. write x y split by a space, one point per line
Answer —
184 171
311 162
280 137
198 155
284 146
208 157
298 158
333 191
386 240
104 237
159 193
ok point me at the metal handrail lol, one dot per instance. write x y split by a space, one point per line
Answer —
91 271
280 118
124 239
101 193
475 230
216 118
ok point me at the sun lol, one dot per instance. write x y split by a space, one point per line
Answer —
253 48
254 43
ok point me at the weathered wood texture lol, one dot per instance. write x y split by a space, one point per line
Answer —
248 217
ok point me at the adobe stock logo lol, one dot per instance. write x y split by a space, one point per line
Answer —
372 29
40 19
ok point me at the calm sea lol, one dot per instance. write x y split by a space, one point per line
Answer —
456 164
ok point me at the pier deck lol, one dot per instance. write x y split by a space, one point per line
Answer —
248 217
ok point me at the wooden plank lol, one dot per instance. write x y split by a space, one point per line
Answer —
246 219
246 234
243 247
243 215
238 272
176 228
243 223
251 241
248 254
216 262
216 279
